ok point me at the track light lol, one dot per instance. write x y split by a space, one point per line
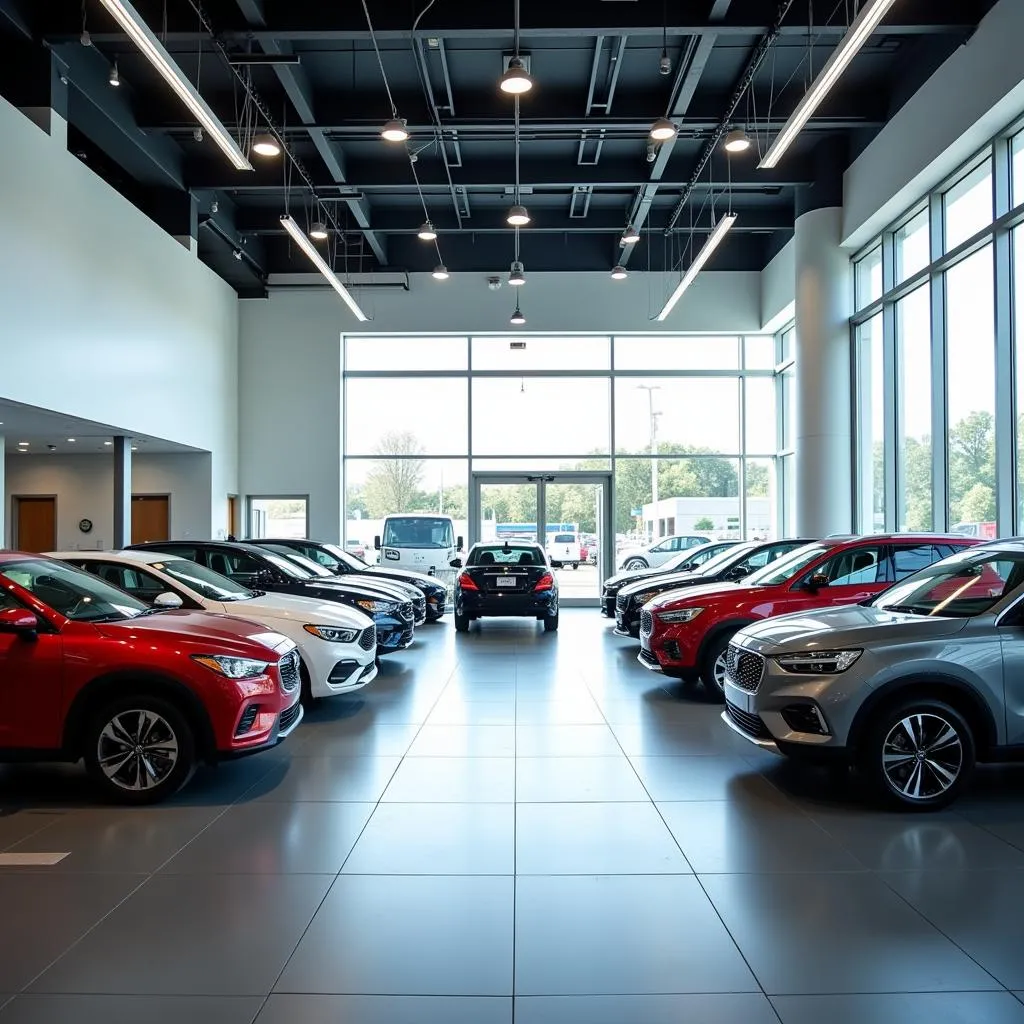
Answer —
516 79
266 145
663 129
630 236
426 232
518 216
153 50
619 273
115 76
871 13
394 131
713 242
318 230
440 272
517 276
737 141
665 64
517 317
300 239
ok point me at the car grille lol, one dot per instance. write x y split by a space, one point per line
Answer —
368 638
420 605
288 667
745 669
288 716
248 717
647 657
405 611
621 601
750 724
646 623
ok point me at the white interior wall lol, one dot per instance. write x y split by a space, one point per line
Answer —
107 317
778 288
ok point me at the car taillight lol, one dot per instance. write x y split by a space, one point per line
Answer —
466 582
546 582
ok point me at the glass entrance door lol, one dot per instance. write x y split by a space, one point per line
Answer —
569 513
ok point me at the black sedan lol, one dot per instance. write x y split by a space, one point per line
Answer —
337 560
686 561
510 578
731 565
262 570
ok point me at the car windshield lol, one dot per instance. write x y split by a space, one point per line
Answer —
725 559
506 554
74 593
418 532
287 566
332 555
204 581
961 586
299 559
785 568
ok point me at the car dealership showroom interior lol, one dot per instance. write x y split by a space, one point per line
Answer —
511 512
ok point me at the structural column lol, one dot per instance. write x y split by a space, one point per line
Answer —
122 492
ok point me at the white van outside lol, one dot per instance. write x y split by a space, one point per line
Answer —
563 549
418 540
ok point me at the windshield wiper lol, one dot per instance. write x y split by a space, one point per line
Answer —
907 609
148 611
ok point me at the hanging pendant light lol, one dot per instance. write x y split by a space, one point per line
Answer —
517 275
517 317
518 216
266 145
115 76
394 131
426 232
663 129
516 80
440 272
630 236
619 273
737 141
318 230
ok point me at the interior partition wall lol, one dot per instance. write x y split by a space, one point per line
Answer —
937 338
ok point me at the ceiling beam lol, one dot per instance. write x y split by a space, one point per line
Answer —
13 18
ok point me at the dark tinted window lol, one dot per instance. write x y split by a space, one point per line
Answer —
506 554
907 560
136 582
855 566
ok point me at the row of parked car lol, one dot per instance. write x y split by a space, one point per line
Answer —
899 655
149 661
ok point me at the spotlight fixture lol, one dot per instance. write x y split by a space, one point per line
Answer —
298 236
440 273
85 39
713 242
663 129
23 444
266 145
737 141
318 230
394 131
108 444
516 79
619 273
197 135
630 236
517 276
517 317
652 152
426 232
154 51
115 76
237 253
71 440
518 216
665 64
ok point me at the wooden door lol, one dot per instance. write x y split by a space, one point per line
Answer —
35 524
232 515
151 519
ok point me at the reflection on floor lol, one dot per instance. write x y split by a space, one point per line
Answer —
506 823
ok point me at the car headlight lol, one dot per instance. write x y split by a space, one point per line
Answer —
369 605
645 597
682 615
818 662
335 634
233 668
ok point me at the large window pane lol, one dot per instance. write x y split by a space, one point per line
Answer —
1018 169
871 420
565 353
541 416
684 414
968 205
914 410
970 315
868 278
788 469
788 387
420 353
912 247
759 352
1018 305
762 499
760 423
405 416
670 353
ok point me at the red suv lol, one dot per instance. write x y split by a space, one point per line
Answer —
142 694
686 633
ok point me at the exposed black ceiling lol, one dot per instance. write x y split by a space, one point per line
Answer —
585 169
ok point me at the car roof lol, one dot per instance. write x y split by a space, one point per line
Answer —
138 557
418 515
10 555
502 543
230 545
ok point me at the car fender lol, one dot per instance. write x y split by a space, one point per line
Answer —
730 627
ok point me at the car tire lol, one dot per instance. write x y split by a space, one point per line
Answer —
895 761
167 738
636 563
461 623
551 623
307 685
712 664
575 566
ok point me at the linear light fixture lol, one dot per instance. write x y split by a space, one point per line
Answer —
138 31
713 242
300 239
856 36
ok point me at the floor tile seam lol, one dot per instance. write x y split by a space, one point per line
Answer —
985 828
209 824
33 834
892 992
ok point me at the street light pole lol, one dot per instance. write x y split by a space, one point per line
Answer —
650 389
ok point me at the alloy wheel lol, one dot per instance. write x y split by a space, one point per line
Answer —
137 749
922 756
720 671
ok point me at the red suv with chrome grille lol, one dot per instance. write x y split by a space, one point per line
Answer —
141 694
686 633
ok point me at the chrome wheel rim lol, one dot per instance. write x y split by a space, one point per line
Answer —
719 671
922 756
137 750
635 564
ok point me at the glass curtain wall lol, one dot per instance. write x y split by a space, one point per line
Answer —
691 428
939 342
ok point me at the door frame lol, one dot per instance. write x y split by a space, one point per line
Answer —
157 494
542 479
15 499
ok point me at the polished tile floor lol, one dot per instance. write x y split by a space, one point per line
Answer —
507 826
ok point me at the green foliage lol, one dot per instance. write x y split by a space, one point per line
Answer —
704 524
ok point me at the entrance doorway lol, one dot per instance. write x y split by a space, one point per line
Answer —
569 513
35 524
151 518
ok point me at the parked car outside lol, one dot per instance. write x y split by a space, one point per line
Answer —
732 565
687 633
356 548
337 645
659 552
505 578
563 549
419 541
913 687
142 695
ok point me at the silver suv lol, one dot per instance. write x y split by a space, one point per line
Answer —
911 687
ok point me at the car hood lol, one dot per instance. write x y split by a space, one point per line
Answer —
292 608
664 581
223 634
414 579
698 593
377 589
849 626
622 579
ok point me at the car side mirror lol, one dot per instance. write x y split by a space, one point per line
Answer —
818 581
456 563
20 621
376 543
458 544
168 599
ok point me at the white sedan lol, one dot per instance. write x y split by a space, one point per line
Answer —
337 645
659 552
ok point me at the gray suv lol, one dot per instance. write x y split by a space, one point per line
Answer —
911 687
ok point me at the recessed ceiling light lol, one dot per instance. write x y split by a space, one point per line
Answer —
134 448
518 216
23 443
318 230
516 80
266 145
663 129
394 131
71 440
108 443
426 232
440 272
